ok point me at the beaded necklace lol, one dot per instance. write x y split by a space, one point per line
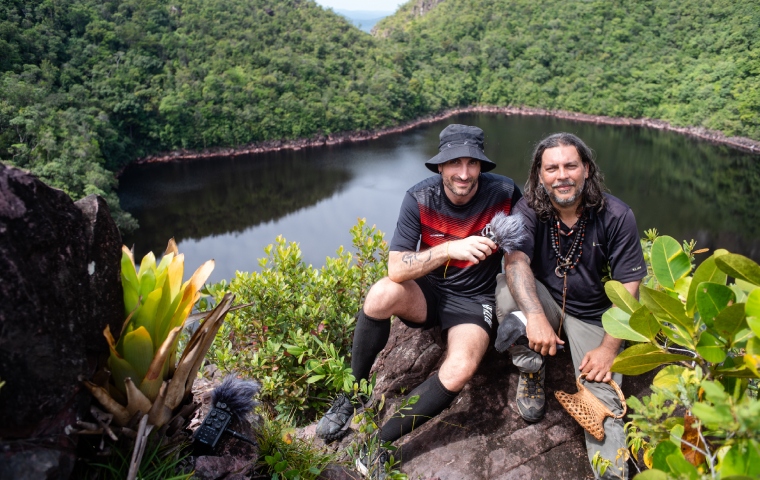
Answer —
566 263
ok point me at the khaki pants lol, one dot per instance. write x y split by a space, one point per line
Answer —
582 337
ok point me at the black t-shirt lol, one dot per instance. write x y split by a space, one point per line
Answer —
429 218
611 237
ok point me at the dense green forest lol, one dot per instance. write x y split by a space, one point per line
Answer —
87 86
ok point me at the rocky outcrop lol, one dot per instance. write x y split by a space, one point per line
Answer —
59 288
481 435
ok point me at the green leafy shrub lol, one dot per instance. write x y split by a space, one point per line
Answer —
707 332
285 456
295 337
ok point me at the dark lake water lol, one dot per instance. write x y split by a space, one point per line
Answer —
230 209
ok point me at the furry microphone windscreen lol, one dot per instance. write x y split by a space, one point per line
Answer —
508 231
237 394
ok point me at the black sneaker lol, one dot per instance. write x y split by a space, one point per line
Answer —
531 397
372 460
334 425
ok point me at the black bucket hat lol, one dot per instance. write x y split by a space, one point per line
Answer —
457 141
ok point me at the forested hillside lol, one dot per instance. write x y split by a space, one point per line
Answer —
690 62
87 86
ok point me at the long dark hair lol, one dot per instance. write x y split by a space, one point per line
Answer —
592 196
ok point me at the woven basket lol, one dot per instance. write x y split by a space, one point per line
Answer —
588 410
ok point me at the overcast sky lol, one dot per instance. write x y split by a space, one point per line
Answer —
366 5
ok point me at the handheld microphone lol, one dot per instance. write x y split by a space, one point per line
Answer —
234 397
507 231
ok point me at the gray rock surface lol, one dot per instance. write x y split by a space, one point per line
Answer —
59 288
481 435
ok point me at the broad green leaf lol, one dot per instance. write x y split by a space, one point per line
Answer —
643 322
745 286
147 264
753 346
661 452
739 266
664 306
742 336
677 334
711 299
669 262
129 282
711 349
752 310
121 369
740 371
146 314
615 323
165 261
669 377
147 283
176 270
680 466
730 321
742 459
642 358
161 323
652 474
621 297
315 378
682 287
752 357
712 416
707 271
138 351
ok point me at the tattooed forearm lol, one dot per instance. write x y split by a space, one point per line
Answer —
522 284
410 258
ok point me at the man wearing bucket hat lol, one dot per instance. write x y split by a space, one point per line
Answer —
577 235
449 281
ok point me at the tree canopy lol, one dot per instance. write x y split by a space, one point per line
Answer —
88 86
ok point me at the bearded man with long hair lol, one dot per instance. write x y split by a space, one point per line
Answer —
577 235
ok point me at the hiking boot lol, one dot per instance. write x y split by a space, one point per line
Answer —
531 397
334 424
371 461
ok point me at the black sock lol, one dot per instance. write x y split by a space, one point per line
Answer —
434 398
370 337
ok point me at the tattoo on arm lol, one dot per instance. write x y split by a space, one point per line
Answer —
411 257
522 284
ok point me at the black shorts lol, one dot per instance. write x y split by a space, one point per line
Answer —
449 310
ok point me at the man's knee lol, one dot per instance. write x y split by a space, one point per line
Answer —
382 295
456 372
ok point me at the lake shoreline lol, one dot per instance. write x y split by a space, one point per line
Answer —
739 143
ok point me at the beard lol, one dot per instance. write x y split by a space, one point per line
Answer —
567 202
459 191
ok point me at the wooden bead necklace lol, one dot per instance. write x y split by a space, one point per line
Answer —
566 263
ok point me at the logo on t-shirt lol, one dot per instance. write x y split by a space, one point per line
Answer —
487 313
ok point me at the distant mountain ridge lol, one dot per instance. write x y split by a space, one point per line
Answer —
364 19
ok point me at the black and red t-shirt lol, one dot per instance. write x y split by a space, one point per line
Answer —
428 218
611 239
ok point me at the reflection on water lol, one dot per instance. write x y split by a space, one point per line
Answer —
229 209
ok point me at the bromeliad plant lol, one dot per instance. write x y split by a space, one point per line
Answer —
707 332
143 361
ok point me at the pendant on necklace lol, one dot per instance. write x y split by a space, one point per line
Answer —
560 265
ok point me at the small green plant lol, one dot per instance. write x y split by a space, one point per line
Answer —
297 334
284 456
366 419
706 333
160 462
